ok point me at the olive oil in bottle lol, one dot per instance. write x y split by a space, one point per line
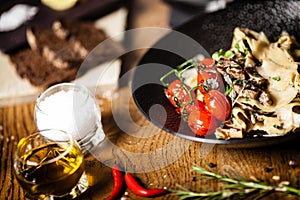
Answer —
50 170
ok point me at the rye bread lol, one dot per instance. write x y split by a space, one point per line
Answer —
83 35
87 40
38 71
52 59
55 50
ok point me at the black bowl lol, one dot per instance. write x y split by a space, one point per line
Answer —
212 32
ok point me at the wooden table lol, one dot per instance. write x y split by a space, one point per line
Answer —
155 157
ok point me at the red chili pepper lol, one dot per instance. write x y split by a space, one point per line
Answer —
135 187
118 182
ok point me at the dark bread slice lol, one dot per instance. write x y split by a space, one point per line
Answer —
32 66
89 41
83 35
55 50
53 59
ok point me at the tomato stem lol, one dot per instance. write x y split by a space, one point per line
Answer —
178 72
165 76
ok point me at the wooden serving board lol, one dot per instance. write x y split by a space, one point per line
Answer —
14 89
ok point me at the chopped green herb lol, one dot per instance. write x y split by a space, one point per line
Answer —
204 87
238 81
229 54
218 54
242 47
277 126
246 46
228 89
247 99
277 78
202 67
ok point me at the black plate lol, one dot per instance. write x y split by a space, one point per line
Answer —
212 31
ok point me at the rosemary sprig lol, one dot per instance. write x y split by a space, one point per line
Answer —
234 187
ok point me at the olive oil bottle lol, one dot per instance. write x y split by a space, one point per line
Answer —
52 169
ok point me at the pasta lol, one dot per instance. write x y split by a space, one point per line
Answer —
264 83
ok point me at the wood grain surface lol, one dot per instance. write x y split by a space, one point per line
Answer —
155 157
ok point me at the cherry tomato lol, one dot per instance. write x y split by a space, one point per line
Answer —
178 95
201 122
197 105
208 62
217 104
208 77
